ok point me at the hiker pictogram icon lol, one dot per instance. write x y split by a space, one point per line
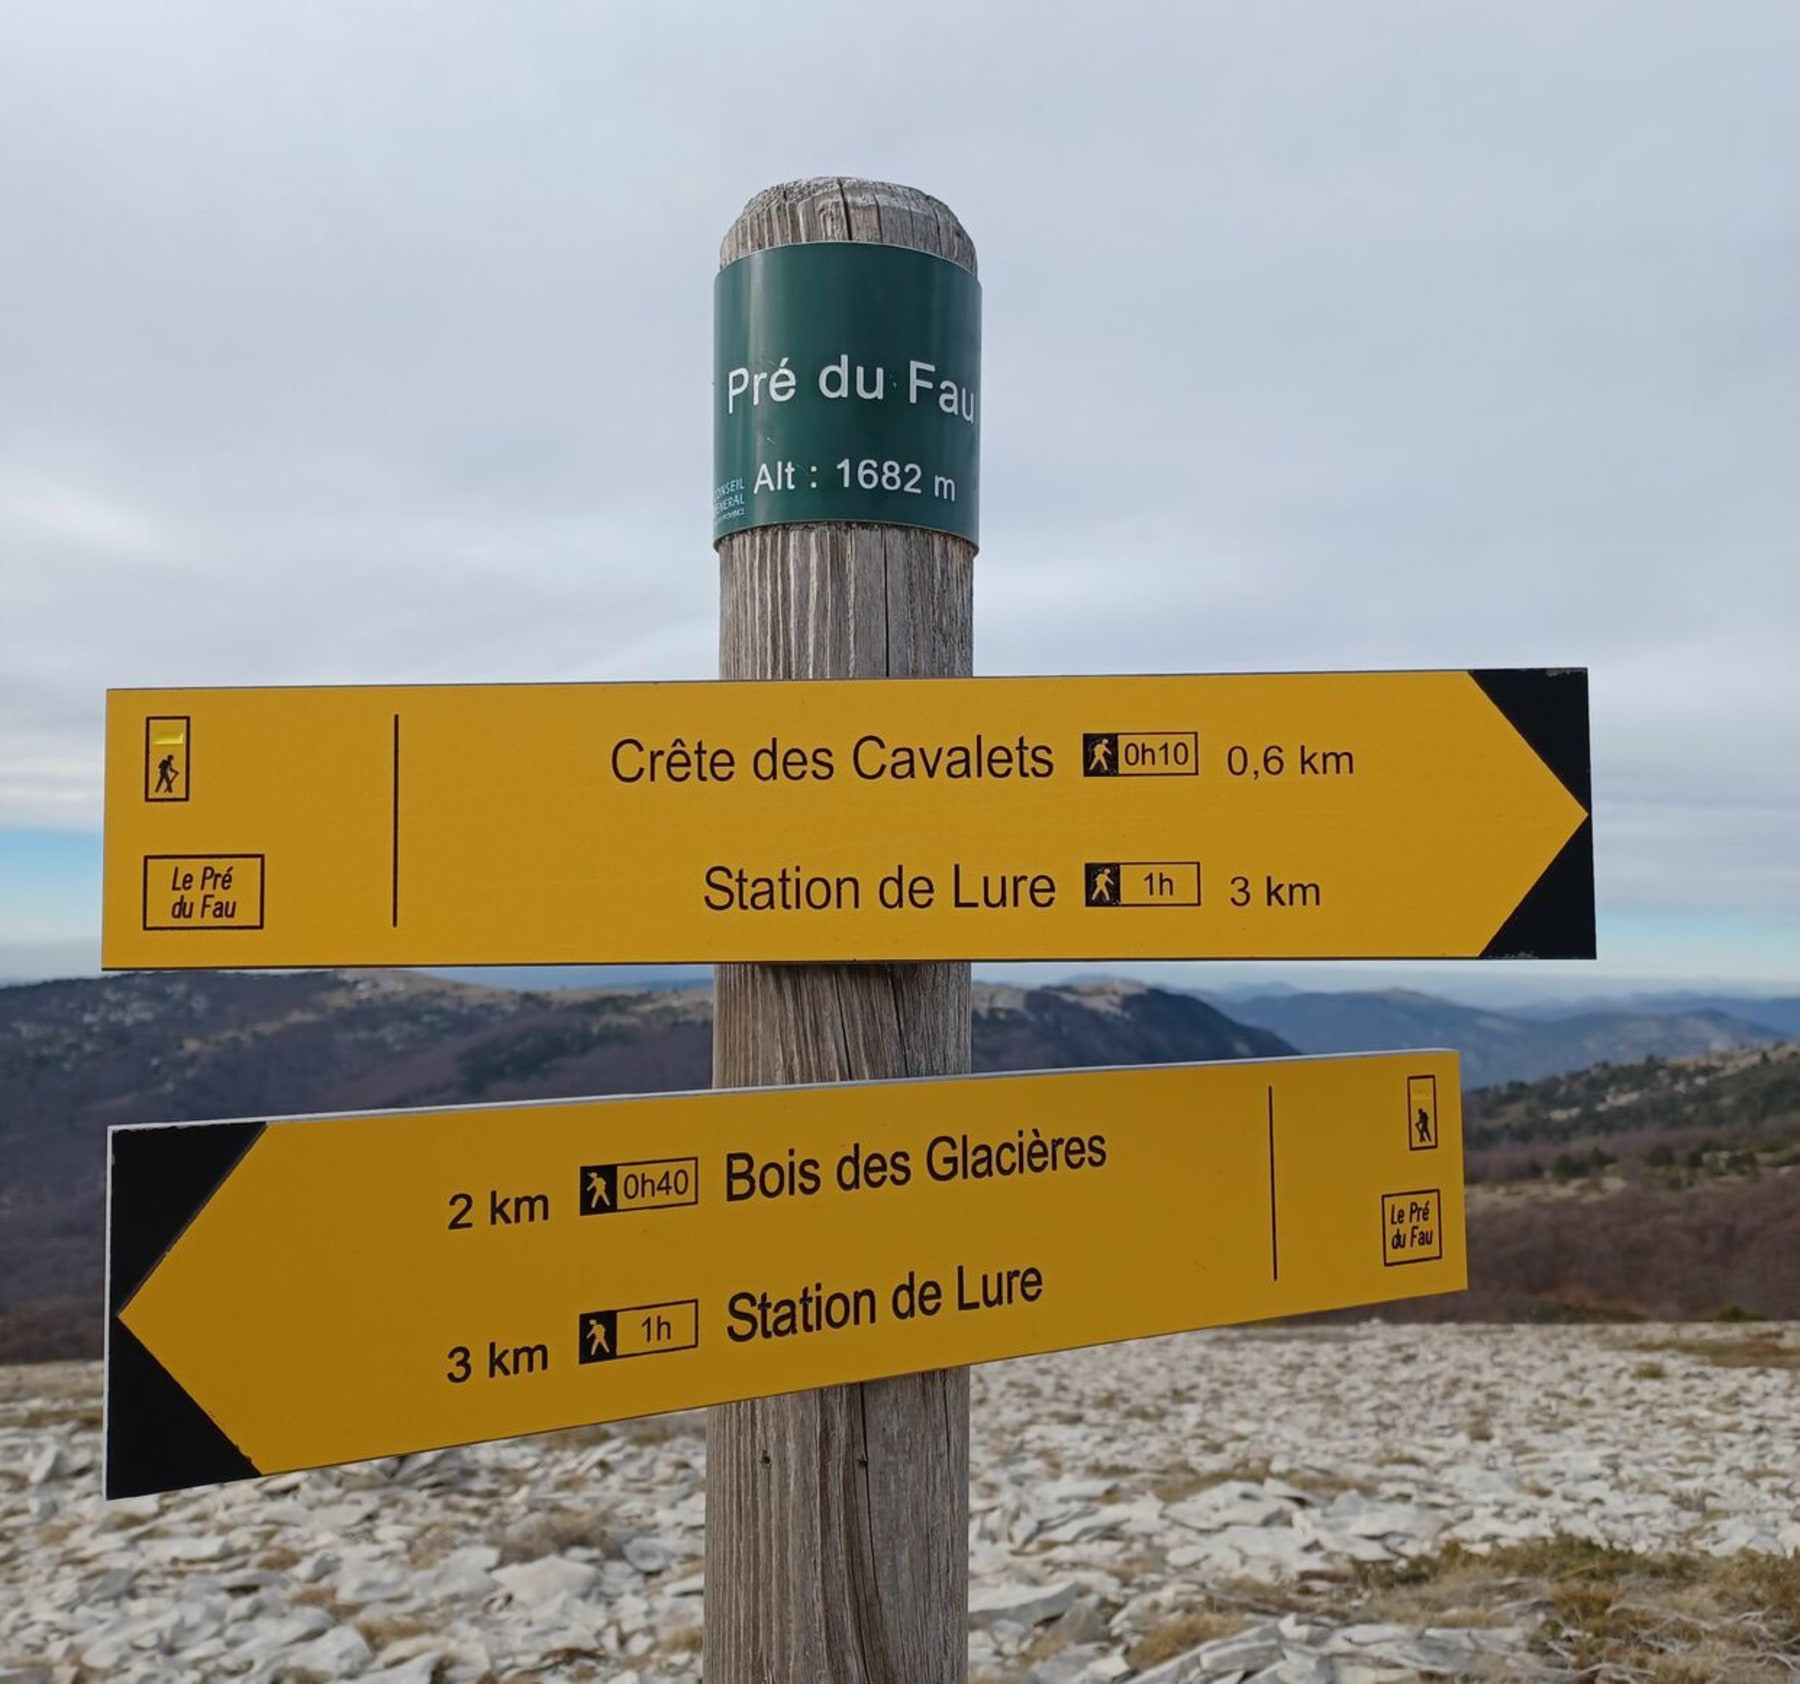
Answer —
1422 1113
166 758
1103 883
599 1189
598 1336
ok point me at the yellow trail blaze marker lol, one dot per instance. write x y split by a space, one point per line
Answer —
304 1292
1321 815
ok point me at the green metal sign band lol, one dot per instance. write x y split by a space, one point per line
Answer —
846 387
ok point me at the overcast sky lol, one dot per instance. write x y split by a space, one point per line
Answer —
371 342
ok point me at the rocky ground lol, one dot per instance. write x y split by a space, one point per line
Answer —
1268 1505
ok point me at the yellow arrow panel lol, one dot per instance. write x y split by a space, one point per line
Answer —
1313 815
368 1286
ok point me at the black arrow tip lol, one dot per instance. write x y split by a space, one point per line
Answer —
157 1437
160 1178
1555 920
1548 707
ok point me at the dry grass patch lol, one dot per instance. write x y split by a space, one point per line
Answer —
1225 1608
1593 1612
659 1429
552 1531
1766 1348
1452 1589
643 1429
1120 1473
426 1548
1181 1633
1172 1484
572 1438
383 1629
1610 1615
684 1641
36 1417
1322 1486
52 1535
59 1382
321 1596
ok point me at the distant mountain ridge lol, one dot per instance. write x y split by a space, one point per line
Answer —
1498 1046
1780 1012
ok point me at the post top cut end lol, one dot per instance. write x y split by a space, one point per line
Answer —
838 207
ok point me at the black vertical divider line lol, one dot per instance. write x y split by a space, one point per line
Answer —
1274 1236
395 910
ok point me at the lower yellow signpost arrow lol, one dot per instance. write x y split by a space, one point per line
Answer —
299 1293
1307 815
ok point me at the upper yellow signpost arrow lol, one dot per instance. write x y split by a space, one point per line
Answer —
1435 814
315 1291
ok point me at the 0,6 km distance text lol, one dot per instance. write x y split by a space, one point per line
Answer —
1273 760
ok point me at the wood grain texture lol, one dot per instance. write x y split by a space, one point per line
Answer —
837 1520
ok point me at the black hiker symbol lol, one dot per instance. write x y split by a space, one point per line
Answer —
1099 754
1421 1107
165 774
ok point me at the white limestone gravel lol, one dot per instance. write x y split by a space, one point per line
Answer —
1111 1488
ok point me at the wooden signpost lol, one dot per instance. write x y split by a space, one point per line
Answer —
863 1488
842 824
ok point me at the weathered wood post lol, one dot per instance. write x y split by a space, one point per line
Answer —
837 1520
